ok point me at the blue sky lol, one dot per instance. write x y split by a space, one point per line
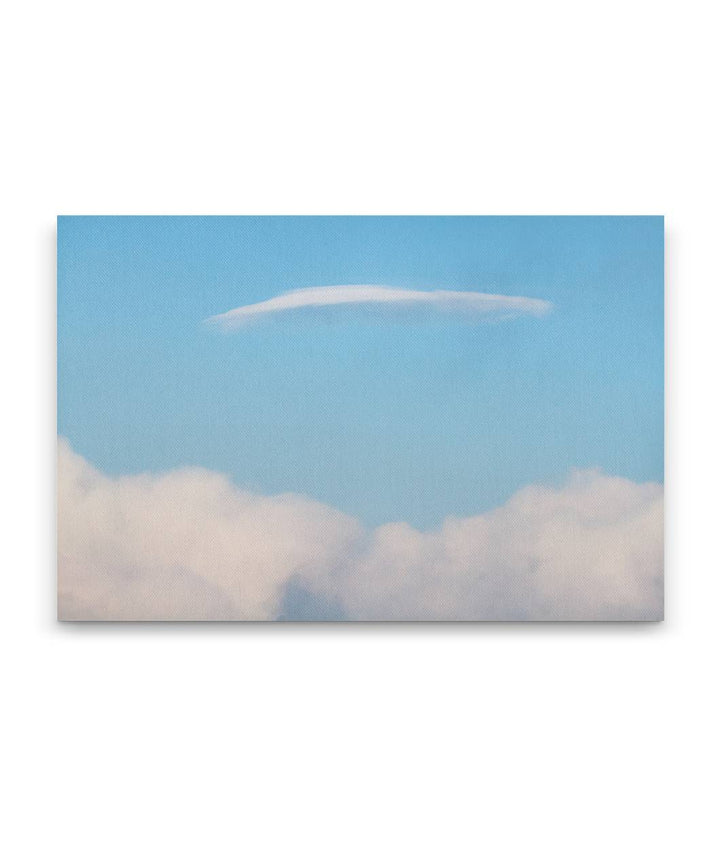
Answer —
385 416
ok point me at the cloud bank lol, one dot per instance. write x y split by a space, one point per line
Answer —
468 302
190 545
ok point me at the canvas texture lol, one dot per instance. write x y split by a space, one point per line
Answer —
360 418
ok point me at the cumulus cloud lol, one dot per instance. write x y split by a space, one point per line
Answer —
468 302
190 545
184 545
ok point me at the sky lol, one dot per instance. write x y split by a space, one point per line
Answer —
381 413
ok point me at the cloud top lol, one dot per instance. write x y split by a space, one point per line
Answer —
467 302
190 545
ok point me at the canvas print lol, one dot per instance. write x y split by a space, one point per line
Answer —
360 418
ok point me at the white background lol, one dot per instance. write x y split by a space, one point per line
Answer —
359 739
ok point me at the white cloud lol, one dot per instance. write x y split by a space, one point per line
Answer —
469 302
190 545
186 544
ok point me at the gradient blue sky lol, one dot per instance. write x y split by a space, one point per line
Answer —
383 416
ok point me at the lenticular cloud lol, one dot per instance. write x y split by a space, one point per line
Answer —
472 303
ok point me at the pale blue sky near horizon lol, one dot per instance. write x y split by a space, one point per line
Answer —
384 416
